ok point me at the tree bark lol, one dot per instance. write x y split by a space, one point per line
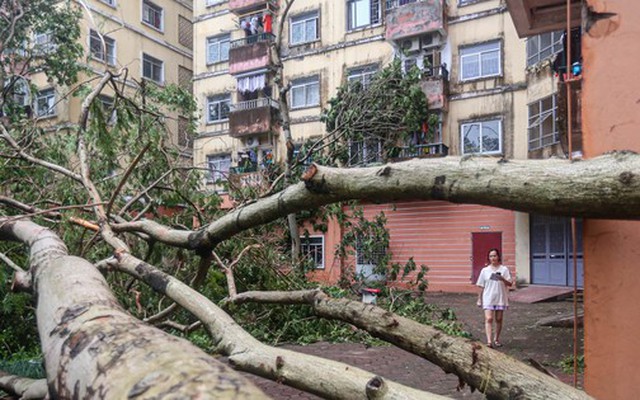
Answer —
93 348
25 388
603 187
326 378
493 373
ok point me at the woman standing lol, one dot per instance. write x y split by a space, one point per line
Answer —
494 279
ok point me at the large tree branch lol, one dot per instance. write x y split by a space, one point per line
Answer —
25 388
493 373
325 378
92 347
604 187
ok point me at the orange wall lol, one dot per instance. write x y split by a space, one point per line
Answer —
436 234
611 121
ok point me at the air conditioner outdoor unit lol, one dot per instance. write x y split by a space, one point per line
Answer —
252 142
411 45
431 39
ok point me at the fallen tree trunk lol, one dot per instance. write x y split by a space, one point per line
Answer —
603 187
493 373
24 388
93 348
326 378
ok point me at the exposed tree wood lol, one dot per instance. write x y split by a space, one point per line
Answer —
93 348
603 187
497 375
25 388
326 378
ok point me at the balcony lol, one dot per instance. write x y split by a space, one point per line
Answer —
242 7
435 85
250 53
406 18
532 17
252 117
421 151
248 178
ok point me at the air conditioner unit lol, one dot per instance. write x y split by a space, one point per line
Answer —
431 39
411 45
252 142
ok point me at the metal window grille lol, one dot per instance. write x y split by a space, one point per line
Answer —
185 32
543 128
312 247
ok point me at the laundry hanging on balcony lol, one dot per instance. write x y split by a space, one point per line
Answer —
251 83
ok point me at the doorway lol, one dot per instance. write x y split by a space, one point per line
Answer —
482 242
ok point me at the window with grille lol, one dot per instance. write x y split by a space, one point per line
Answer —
152 14
103 49
43 43
304 28
219 166
481 137
543 46
480 61
305 92
543 129
185 78
152 68
218 49
107 103
363 13
218 108
363 75
312 247
46 103
184 133
185 32
364 152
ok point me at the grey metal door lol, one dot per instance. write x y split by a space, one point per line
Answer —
551 251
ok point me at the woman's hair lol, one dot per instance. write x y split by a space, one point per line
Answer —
497 251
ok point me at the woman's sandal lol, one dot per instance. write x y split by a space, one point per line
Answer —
490 345
497 344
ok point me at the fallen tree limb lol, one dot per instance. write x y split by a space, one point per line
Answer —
603 187
326 378
24 388
93 348
493 373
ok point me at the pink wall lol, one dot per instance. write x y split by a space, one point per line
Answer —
611 121
438 235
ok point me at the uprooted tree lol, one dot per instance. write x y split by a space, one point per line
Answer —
112 240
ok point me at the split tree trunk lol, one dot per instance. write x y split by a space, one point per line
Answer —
493 373
93 348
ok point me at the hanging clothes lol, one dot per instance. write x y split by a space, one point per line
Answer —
251 83
267 21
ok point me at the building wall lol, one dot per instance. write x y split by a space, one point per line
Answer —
611 111
123 23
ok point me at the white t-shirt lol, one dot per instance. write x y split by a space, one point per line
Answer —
495 292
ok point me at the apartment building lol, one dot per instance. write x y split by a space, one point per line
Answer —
152 39
480 79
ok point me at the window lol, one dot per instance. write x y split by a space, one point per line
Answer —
312 247
543 130
218 49
107 104
304 28
218 108
370 254
219 166
152 68
45 103
362 13
483 137
98 51
480 61
362 75
185 31
305 92
214 2
543 46
44 43
112 3
365 151
152 14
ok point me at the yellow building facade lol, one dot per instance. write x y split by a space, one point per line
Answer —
492 92
152 39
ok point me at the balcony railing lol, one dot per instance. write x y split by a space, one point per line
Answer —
391 4
437 72
247 177
259 38
253 104
422 150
